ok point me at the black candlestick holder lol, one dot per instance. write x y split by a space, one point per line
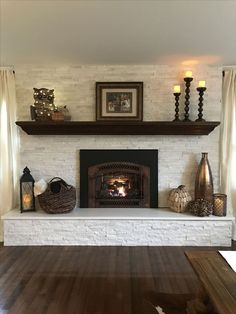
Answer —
177 95
201 91
188 81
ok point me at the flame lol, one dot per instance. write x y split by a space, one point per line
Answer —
27 199
122 191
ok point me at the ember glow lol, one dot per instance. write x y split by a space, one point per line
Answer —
122 191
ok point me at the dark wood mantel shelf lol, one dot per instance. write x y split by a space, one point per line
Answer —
117 128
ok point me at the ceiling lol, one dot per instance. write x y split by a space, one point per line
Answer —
118 32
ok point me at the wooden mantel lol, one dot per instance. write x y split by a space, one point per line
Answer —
117 128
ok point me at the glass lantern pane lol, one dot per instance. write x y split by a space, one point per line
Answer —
27 195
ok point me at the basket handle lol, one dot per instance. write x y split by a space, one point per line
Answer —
60 179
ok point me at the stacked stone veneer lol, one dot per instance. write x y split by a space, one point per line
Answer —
49 156
117 232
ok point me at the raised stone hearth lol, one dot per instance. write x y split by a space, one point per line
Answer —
113 226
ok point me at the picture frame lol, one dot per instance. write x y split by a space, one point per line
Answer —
119 101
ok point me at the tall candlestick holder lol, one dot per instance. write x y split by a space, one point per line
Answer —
177 95
201 91
188 81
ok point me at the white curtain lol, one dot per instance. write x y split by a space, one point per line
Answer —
9 174
228 140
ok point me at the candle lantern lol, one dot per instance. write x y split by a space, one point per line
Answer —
27 200
219 204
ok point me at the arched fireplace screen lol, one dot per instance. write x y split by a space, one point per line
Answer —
119 184
118 178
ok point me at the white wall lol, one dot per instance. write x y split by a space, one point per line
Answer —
49 156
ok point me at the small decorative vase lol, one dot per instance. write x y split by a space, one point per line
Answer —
179 198
200 207
204 181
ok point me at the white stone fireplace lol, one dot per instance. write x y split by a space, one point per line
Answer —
49 156
74 86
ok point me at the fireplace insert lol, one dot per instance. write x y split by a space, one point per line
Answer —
118 178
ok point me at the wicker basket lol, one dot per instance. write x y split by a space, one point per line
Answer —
59 197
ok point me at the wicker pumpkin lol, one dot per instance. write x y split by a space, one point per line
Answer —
179 198
200 207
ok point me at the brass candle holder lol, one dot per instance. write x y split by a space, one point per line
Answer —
201 91
188 81
177 95
219 204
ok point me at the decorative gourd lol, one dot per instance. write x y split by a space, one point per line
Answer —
179 198
200 207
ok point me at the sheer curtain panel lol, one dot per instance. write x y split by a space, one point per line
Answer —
9 174
228 140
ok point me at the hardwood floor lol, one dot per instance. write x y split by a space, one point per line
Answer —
94 280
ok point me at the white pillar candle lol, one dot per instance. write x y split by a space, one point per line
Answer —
176 88
202 84
188 74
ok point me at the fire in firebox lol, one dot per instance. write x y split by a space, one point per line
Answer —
118 186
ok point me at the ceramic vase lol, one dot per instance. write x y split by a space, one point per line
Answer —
204 181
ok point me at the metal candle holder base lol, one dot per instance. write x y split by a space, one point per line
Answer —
201 91
188 81
177 119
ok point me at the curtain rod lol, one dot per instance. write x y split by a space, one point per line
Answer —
232 67
229 66
8 68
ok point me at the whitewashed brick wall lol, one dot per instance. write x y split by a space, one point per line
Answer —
49 156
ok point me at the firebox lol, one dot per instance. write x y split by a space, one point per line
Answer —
118 178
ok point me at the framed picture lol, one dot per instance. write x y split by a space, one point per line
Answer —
119 101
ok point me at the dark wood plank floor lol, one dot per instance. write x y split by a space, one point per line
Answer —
94 280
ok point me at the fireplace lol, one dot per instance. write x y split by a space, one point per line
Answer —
118 178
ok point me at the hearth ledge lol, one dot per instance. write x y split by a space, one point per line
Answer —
112 213
116 227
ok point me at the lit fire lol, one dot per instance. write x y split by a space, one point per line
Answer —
27 201
122 191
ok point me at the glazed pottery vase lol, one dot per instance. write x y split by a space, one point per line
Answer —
204 181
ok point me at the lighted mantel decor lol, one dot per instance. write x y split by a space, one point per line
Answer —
201 89
176 91
188 79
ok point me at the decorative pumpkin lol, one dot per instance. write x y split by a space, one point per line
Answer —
200 207
179 198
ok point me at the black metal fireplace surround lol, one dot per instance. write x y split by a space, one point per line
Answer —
119 178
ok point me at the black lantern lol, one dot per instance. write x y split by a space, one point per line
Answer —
27 200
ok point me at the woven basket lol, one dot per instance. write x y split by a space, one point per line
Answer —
59 200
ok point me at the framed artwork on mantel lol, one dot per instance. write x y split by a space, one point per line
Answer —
119 101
